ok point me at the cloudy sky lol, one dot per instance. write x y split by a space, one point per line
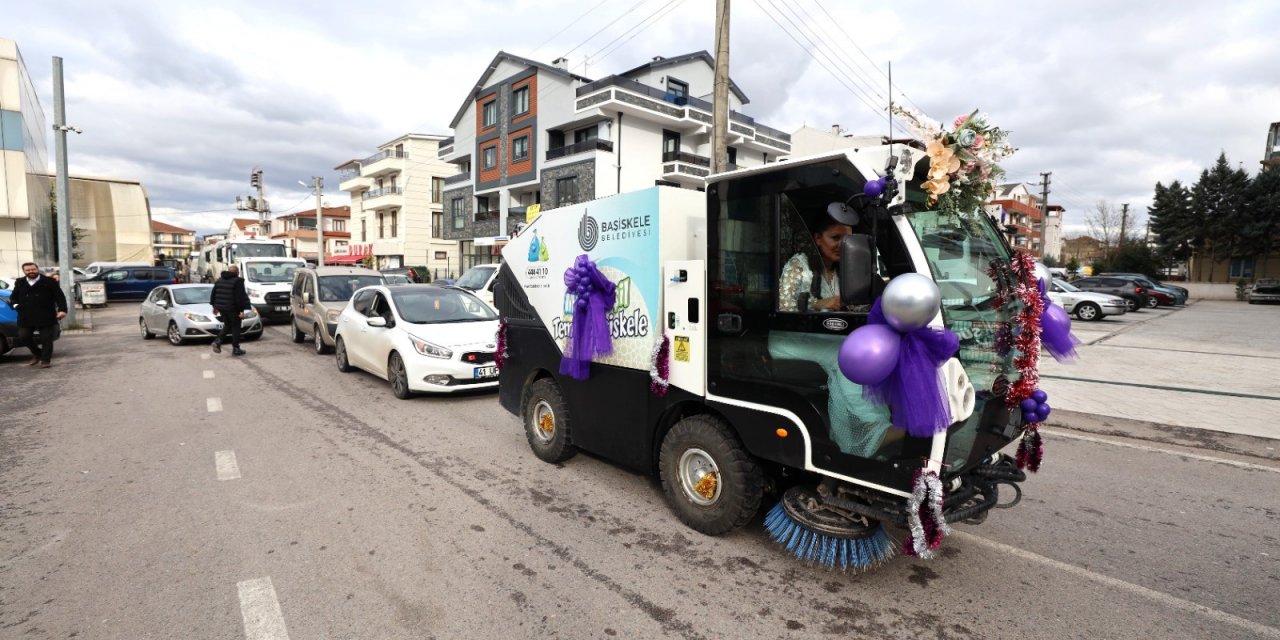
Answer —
188 97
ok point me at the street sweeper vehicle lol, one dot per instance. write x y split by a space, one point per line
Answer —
816 330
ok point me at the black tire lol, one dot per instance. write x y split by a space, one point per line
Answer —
146 333
4 345
175 336
547 425
398 377
296 335
318 342
1131 304
340 355
702 447
1088 311
1152 302
253 337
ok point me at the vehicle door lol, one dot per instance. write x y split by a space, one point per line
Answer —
157 308
380 340
116 283
1062 297
354 329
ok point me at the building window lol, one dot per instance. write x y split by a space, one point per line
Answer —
437 188
394 216
733 156
437 224
670 145
520 101
364 230
442 255
458 209
677 89
520 149
489 158
583 135
338 225
1241 267
566 191
381 233
489 113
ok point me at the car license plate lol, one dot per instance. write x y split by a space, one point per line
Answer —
486 372
282 308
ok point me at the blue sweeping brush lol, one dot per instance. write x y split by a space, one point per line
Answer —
822 539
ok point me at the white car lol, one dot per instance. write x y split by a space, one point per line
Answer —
1085 305
419 337
479 280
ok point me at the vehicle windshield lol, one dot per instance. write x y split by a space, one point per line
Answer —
246 250
1066 286
192 295
270 271
971 266
435 306
475 278
341 288
396 278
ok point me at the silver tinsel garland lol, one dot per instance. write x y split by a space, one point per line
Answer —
927 487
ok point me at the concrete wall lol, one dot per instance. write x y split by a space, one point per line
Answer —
1209 290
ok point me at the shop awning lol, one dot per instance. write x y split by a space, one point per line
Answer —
348 259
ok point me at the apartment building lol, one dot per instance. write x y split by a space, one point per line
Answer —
169 241
26 219
396 205
530 133
1017 210
245 228
298 232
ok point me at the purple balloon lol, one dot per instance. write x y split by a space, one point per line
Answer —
1039 396
1028 404
874 188
1030 416
1055 321
870 353
1043 411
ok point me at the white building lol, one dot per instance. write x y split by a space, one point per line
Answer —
245 228
26 220
396 205
298 232
808 141
530 133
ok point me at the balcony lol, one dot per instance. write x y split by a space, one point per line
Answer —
383 163
458 178
594 144
352 181
385 198
623 94
685 168
445 148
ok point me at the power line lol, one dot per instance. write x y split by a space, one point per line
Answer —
869 83
864 54
601 29
567 27
665 10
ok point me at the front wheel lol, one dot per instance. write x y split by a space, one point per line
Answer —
711 482
319 345
297 336
546 422
1131 305
340 355
1088 311
175 336
398 377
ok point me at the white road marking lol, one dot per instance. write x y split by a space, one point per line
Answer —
1260 630
205 356
260 609
1194 456
214 404
208 374
225 461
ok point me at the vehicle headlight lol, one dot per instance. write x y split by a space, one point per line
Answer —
428 349
255 293
333 314
250 313
195 317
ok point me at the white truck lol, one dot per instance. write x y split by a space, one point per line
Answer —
753 405
267 281
215 258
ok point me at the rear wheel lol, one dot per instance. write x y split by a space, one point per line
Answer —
711 482
1152 302
319 345
340 355
398 377
294 333
174 335
146 333
1131 305
1088 311
546 422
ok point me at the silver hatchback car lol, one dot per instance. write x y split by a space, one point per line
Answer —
183 312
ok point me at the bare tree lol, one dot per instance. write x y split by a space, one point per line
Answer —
1104 224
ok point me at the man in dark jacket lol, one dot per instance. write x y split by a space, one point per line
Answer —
40 305
229 301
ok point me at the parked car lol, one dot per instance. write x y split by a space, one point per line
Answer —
133 283
443 282
6 285
414 274
8 323
96 269
419 337
1181 291
183 313
1160 295
1264 291
479 280
1085 305
1135 297
397 278
318 297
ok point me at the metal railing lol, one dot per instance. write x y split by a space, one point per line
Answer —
689 158
389 153
347 174
680 101
594 144
385 191
458 177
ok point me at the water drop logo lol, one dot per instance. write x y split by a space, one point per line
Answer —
588 232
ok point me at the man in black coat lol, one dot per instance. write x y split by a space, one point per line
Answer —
229 301
40 305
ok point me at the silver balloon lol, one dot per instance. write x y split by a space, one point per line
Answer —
910 301
1043 274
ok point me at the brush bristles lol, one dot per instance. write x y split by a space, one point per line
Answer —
857 554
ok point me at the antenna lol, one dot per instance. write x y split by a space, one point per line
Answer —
890 101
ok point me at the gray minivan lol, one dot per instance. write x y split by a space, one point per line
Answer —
317 298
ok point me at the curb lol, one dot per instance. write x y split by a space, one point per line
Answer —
1192 437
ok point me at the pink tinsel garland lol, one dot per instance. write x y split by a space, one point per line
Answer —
660 370
1031 449
500 354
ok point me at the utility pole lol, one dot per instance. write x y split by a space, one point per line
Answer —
257 205
319 222
67 276
1044 210
720 97
1124 223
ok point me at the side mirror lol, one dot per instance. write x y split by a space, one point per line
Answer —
857 268
306 297
377 322
162 303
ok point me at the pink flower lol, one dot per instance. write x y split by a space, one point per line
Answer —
960 119
978 142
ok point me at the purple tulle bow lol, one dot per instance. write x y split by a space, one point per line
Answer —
589 334
1055 329
914 390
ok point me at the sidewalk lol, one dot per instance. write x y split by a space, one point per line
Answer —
1212 365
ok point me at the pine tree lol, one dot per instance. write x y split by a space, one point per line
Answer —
1261 229
1217 201
1170 214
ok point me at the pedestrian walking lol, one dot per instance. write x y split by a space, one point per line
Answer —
40 305
229 302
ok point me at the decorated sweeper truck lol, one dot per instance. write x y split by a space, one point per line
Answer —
832 333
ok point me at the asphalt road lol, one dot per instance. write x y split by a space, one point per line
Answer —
313 504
